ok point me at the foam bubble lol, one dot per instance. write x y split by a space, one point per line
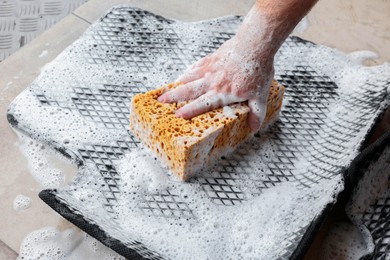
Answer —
228 112
38 163
22 202
375 184
344 241
71 244
302 25
256 228
361 56
142 170
43 54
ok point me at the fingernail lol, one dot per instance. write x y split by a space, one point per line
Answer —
254 125
178 114
161 99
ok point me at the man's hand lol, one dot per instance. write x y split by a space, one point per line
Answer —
232 74
242 68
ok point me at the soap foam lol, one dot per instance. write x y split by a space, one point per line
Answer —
344 241
154 177
71 244
256 228
228 112
22 202
375 184
302 26
39 166
43 54
353 240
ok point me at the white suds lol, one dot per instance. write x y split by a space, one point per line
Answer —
52 244
375 184
43 54
38 163
353 241
228 112
204 230
142 170
360 56
22 202
302 25
344 241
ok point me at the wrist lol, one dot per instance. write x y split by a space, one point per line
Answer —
263 32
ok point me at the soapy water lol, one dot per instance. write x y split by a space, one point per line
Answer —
375 184
256 228
344 241
353 240
49 168
302 26
51 244
141 172
22 202
43 54
228 112
38 164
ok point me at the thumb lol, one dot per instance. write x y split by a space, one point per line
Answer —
258 106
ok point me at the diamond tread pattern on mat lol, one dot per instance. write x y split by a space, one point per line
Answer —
136 39
132 37
377 220
377 216
369 205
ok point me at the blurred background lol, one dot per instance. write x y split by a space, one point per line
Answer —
23 20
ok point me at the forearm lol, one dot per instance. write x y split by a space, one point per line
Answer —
269 22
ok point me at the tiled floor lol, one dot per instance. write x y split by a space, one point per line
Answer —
348 25
21 21
6 252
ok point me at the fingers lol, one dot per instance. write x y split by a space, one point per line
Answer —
190 75
184 92
258 106
204 103
193 73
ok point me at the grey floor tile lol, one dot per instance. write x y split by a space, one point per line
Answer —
7 253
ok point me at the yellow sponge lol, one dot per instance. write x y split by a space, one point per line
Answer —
188 146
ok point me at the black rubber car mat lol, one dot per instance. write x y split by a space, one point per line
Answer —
369 206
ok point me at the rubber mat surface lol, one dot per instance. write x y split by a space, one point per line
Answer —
80 106
369 207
